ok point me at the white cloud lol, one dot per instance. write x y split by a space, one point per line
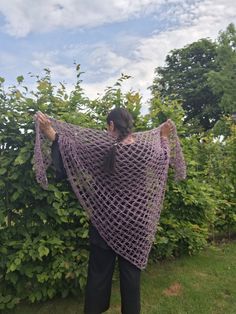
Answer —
49 60
25 16
104 60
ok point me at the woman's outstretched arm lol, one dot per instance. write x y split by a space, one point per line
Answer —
50 133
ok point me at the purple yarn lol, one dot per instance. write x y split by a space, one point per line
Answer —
125 206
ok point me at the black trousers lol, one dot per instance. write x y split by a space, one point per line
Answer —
99 281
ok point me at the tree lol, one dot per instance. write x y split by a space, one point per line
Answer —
223 79
184 77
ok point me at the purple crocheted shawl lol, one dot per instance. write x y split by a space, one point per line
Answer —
125 206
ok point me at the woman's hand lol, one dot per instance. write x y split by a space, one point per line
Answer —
45 126
166 129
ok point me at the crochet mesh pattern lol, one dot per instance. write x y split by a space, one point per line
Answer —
124 206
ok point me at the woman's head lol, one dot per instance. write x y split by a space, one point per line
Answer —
119 125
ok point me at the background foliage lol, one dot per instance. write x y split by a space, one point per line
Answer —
44 234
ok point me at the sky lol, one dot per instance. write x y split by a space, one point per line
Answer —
105 37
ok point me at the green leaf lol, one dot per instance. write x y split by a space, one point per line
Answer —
17 261
51 292
12 267
43 251
38 295
20 79
7 298
10 305
19 160
2 171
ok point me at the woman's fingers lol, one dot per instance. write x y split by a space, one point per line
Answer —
166 128
41 115
168 121
43 120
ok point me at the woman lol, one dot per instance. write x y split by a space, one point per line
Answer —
102 257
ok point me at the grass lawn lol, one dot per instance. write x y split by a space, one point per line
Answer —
202 284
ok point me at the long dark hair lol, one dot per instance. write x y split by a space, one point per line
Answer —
123 122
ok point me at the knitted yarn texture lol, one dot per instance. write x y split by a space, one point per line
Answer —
124 206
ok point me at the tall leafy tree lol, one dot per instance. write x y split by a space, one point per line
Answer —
184 77
223 79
